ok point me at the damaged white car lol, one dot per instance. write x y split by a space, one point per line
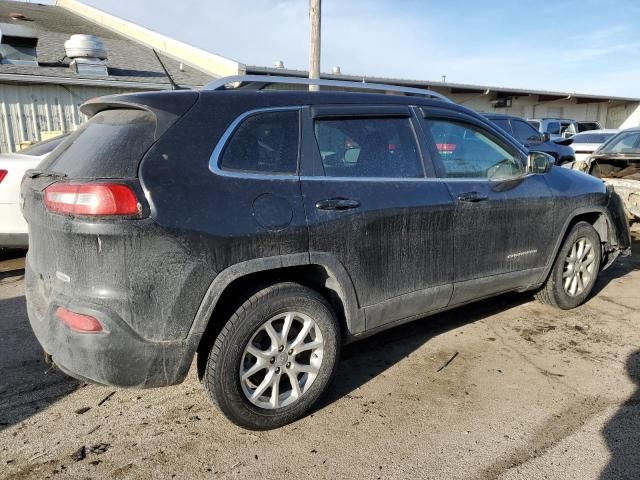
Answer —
617 162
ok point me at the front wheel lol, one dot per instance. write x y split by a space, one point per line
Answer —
575 270
274 358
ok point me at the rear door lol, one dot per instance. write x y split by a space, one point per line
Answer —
375 206
503 216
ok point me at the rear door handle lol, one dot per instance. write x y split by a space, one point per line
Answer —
337 204
472 197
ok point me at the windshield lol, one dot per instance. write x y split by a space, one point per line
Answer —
626 142
592 137
44 147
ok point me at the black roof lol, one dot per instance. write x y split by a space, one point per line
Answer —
128 60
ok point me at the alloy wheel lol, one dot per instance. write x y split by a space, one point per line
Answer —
281 361
579 267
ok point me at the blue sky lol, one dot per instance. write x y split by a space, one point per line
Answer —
584 46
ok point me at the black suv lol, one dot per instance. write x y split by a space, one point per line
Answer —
262 228
532 139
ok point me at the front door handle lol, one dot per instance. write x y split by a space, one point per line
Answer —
472 197
337 204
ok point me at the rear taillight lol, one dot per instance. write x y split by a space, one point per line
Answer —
78 322
3 173
91 199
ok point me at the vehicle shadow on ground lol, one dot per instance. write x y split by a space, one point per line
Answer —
622 432
366 359
27 383
621 267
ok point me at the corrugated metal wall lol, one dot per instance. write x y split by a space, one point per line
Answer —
28 110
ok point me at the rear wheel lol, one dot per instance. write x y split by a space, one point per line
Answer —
274 358
575 270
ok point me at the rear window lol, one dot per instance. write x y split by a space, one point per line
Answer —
110 145
586 126
264 143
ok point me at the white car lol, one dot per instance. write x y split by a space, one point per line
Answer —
13 228
585 143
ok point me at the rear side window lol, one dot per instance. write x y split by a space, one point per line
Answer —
264 143
368 147
110 145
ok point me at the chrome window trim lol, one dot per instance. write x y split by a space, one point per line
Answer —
214 160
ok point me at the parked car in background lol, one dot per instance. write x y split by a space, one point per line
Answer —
532 139
13 228
562 127
617 162
263 228
585 143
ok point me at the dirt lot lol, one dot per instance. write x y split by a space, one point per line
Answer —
533 393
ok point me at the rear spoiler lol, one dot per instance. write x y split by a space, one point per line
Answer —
167 107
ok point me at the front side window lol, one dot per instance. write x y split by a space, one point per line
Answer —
467 151
264 143
623 143
368 147
524 132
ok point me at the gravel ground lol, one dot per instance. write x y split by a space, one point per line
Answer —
532 393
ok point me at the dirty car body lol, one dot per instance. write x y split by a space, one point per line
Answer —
414 231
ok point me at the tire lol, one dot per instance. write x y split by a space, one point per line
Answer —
232 355
560 289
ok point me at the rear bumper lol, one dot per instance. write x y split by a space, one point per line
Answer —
13 227
14 240
118 356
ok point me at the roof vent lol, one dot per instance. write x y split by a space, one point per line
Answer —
336 71
279 64
88 55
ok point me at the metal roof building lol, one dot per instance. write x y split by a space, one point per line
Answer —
41 98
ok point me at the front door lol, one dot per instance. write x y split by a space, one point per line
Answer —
373 206
503 215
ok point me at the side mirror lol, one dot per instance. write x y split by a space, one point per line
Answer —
546 137
538 162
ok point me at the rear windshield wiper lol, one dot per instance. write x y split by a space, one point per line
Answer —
44 173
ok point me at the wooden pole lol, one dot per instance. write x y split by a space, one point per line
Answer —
314 46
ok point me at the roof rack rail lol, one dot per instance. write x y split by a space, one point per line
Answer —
261 81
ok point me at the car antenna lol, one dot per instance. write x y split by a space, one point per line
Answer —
174 85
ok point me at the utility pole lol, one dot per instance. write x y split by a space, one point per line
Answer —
314 46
